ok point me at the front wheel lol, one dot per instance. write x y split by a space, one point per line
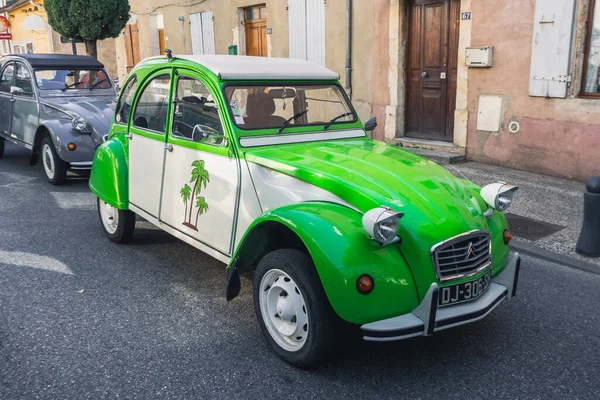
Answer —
292 309
54 167
118 225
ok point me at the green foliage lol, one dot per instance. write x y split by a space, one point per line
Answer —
87 19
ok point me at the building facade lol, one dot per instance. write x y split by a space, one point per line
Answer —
30 33
515 84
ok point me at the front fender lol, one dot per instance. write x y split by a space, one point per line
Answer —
109 176
341 251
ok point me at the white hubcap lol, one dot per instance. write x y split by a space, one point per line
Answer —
283 310
48 161
109 216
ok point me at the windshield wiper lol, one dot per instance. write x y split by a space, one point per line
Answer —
336 118
97 83
71 85
289 120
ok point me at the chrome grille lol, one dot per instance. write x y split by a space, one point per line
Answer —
462 256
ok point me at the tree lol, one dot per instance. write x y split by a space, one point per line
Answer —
88 20
202 207
200 178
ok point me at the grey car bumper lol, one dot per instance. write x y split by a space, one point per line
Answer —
82 165
428 318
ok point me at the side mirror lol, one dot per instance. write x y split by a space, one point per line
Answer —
16 90
371 124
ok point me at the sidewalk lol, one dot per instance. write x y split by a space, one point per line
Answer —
552 211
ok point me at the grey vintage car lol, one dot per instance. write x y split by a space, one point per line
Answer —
57 105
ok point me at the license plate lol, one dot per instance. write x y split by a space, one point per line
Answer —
465 291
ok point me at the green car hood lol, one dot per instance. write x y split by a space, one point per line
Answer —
369 174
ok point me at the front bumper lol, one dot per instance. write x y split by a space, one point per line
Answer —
81 165
428 318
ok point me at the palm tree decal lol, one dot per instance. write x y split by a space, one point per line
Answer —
186 193
200 179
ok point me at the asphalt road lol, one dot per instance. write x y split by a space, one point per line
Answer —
83 318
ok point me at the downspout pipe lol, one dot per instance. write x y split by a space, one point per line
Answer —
349 48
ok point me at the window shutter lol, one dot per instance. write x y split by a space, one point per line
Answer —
208 32
551 48
315 31
196 30
203 33
297 28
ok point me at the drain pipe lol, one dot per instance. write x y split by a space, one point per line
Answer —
349 48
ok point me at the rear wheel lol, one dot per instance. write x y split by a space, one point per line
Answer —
118 225
54 167
293 311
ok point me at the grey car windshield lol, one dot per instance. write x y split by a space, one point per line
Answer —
262 107
71 79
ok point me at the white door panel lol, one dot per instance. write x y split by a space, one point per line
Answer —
145 172
212 225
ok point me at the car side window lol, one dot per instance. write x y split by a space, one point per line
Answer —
23 81
152 105
6 81
196 113
124 104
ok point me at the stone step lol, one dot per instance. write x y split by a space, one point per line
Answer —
440 157
430 145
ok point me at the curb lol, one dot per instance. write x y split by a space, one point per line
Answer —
551 256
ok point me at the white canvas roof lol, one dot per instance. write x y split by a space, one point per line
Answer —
254 68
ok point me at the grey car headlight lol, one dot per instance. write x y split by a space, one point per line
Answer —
80 124
499 195
382 224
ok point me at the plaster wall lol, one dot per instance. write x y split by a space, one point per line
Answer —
40 39
557 136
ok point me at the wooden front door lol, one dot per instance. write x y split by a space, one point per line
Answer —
162 44
255 21
431 70
132 45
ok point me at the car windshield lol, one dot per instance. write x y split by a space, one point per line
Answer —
71 79
263 107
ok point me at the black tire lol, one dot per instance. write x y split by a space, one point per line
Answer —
59 167
124 227
321 333
1 148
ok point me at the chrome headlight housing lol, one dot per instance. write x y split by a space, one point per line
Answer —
382 224
499 195
80 124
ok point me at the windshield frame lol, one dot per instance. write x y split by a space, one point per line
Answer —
291 129
108 79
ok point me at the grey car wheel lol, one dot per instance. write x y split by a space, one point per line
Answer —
54 167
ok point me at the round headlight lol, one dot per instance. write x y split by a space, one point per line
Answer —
498 195
382 224
80 124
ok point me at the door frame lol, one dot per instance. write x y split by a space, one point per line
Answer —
449 85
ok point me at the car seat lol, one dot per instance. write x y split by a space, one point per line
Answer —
259 111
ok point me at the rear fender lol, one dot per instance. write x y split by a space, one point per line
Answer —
333 236
109 177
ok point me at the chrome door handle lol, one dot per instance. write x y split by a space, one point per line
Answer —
129 136
169 147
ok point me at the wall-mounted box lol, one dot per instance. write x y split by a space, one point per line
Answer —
479 56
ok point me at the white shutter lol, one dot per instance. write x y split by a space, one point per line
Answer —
196 30
551 48
297 28
315 31
208 32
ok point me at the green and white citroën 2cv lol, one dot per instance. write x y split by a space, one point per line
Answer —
264 164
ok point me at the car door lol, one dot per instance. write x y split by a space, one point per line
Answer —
147 142
25 107
199 195
6 82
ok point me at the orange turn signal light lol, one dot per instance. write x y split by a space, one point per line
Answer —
507 236
71 146
365 284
